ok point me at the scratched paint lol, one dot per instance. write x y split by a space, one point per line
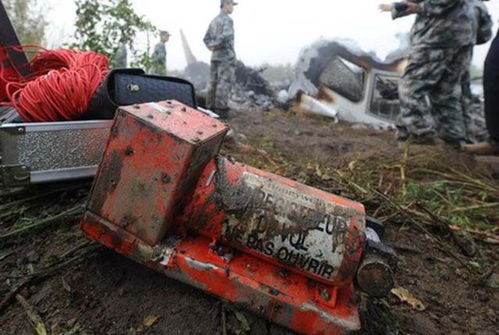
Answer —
296 229
243 195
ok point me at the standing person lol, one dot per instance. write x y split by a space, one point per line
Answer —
491 96
430 88
482 30
219 39
159 55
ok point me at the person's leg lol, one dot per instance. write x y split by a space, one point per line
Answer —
491 90
422 73
466 100
212 86
446 95
226 72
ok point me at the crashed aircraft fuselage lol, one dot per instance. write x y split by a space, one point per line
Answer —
335 80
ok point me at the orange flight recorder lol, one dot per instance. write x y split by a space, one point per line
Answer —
286 251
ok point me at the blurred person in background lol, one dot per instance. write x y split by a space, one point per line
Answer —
219 39
430 88
158 56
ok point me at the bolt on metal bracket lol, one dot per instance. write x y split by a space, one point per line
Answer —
14 175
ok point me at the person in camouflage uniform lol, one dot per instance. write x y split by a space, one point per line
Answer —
474 118
430 88
219 39
158 56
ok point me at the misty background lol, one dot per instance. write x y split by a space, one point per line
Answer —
271 32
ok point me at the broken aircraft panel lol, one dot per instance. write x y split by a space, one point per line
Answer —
337 76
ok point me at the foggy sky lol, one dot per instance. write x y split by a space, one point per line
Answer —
267 31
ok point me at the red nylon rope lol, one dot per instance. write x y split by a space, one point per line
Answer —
60 85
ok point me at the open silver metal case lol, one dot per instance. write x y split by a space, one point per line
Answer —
32 153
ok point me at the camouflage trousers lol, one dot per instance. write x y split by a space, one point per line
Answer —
158 69
430 94
466 100
473 112
221 81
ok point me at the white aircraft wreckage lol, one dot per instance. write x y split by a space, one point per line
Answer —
335 78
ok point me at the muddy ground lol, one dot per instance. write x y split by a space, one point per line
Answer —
84 289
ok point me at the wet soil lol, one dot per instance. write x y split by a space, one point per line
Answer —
109 294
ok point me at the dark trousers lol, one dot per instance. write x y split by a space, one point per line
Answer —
491 89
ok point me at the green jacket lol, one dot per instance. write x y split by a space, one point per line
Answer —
220 36
441 24
158 59
482 22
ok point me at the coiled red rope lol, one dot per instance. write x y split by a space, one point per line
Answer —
59 87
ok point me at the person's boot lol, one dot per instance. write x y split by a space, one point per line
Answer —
483 148
454 144
402 136
419 140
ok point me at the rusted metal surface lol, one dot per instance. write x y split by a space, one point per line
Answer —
284 250
145 173
311 232
375 274
265 289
